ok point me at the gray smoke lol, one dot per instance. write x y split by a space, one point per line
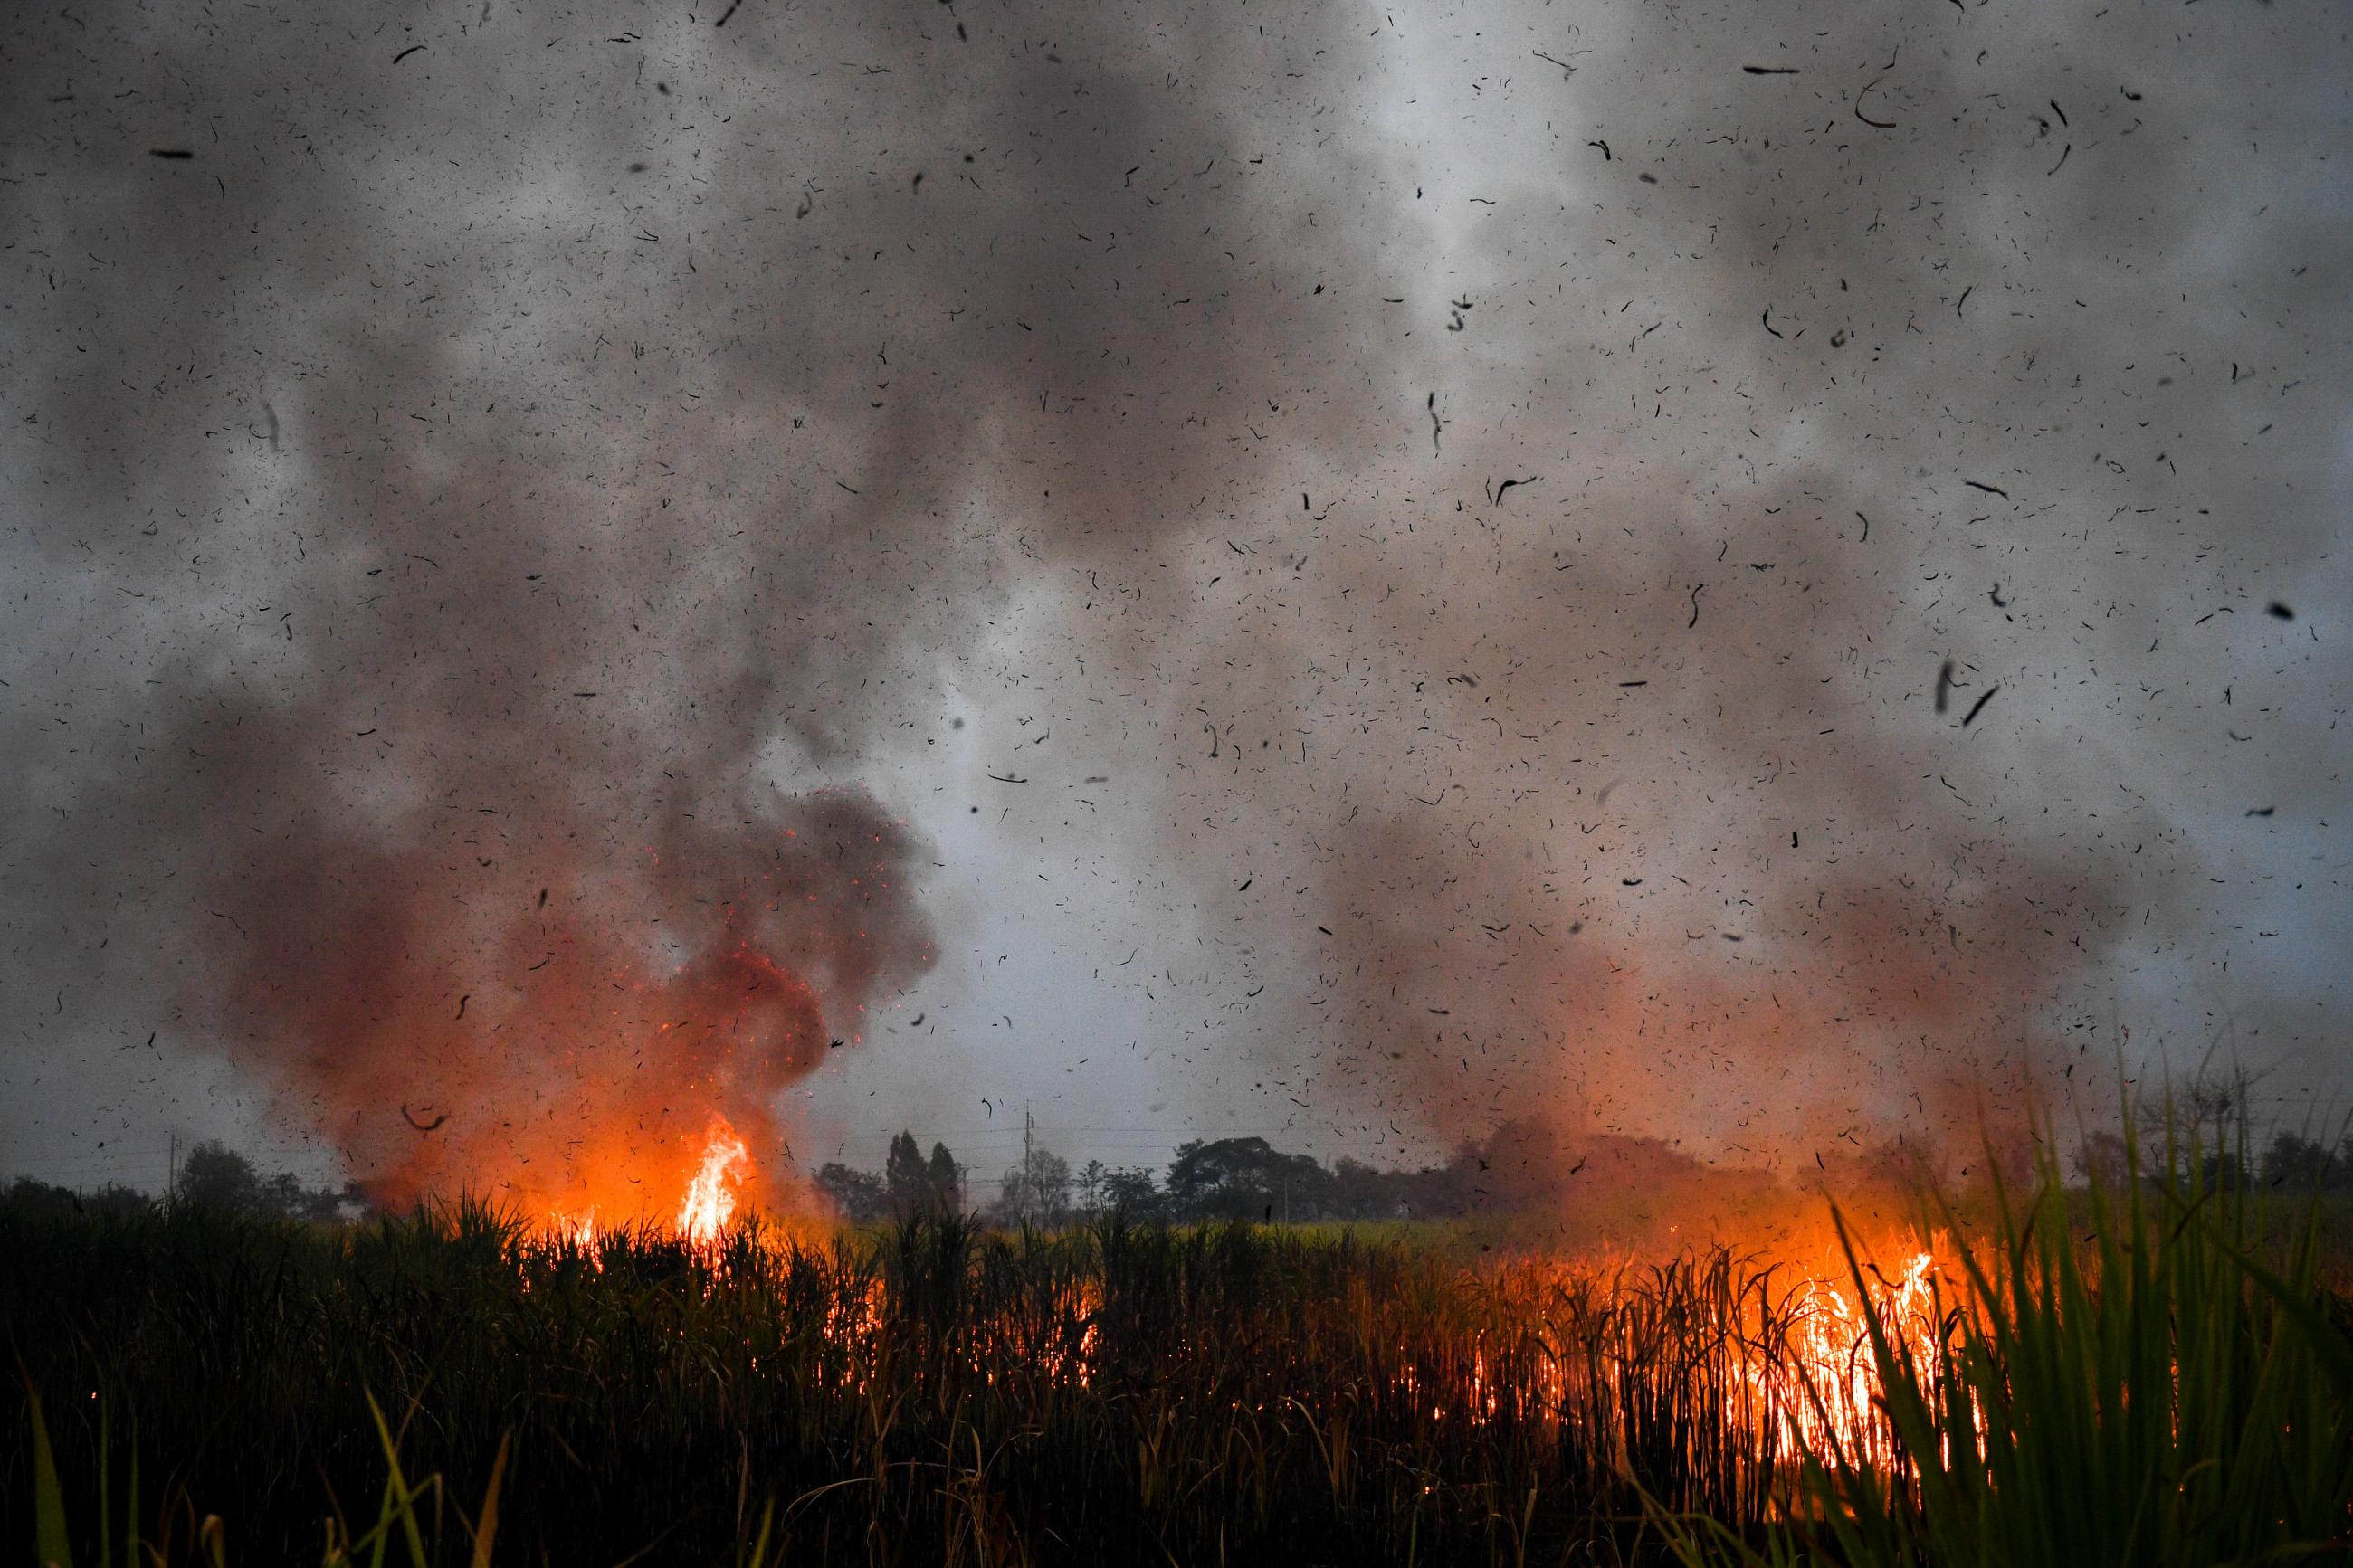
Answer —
1495 527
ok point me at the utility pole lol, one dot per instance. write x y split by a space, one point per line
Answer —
1028 1171
172 1173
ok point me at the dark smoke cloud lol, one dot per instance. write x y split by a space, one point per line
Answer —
1625 794
576 455
481 470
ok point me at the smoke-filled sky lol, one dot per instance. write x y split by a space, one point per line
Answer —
1756 575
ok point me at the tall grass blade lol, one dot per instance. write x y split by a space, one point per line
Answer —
486 1527
50 1547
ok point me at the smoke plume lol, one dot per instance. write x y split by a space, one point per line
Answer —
1647 569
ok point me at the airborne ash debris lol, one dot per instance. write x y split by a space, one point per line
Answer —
529 456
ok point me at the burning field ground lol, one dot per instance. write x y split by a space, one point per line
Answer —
2154 1370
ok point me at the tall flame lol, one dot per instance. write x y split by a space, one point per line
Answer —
710 1201
1828 1394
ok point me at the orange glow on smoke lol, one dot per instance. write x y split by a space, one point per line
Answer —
555 1037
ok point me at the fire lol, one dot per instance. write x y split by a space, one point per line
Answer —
1824 1393
711 1197
710 1202
581 1233
1791 1371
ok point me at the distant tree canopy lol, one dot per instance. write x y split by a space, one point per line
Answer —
1230 1178
913 1185
1604 1185
28 1195
215 1176
1519 1165
2303 1164
946 1178
1243 1178
858 1196
1134 1194
1037 1191
2292 1162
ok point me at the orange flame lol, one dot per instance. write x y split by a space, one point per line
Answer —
710 1202
1834 1402
581 1233
1812 1387
712 1198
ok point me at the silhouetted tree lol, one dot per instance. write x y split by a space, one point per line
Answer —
1244 1178
947 1180
1134 1194
2222 1171
1358 1191
215 1176
913 1185
2302 1164
858 1196
906 1179
1037 1191
28 1194
2208 1111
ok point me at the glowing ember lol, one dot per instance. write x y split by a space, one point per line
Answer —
711 1198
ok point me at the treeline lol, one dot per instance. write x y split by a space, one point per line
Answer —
2291 1163
1225 1178
1521 1165
214 1177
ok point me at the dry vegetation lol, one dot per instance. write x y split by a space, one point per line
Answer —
2149 1374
